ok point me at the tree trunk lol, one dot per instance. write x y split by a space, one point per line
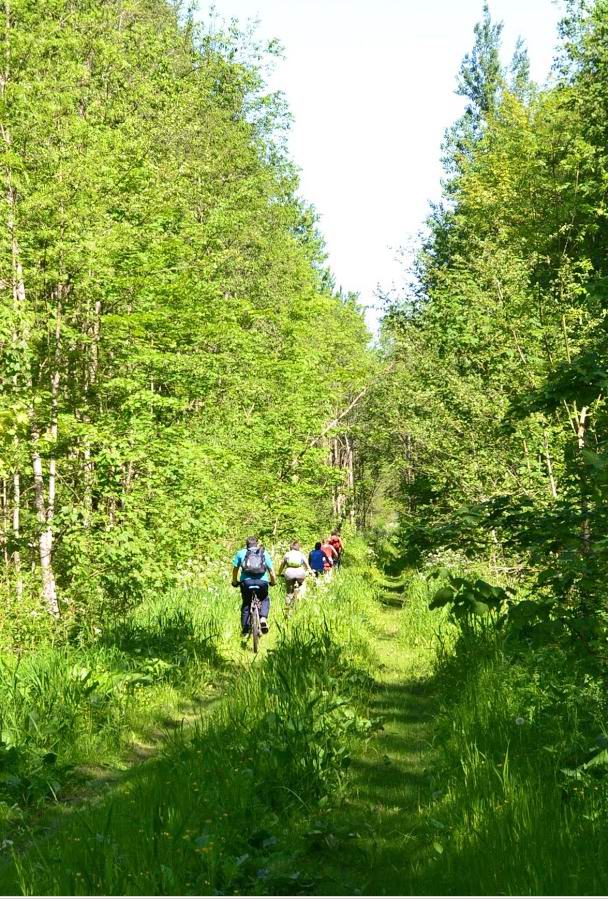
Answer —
335 495
17 534
581 426
45 508
4 500
337 462
549 465
127 480
19 339
45 539
350 478
90 382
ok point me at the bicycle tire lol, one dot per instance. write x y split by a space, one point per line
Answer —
295 598
289 601
256 629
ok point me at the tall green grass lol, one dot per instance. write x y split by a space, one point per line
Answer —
65 707
516 809
217 812
424 635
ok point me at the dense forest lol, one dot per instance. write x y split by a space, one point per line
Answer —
492 417
178 370
164 384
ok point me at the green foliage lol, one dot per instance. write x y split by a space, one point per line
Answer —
470 597
523 788
65 707
160 281
217 811
490 425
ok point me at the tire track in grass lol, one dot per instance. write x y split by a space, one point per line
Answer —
95 782
368 842
180 824
375 838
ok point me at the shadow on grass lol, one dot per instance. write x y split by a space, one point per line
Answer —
391 592
125 832
376 837
172 637
391 599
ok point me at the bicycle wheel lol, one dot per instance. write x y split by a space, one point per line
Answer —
256 629
289 599
295 595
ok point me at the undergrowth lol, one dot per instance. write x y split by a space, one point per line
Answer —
515 802
216 812
65 708
522 790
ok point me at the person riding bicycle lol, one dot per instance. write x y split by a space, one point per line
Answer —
256 570
331 554
336 541
294 567
317 559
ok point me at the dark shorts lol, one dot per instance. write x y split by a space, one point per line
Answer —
246 594
290 583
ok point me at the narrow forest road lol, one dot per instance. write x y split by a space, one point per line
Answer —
372 839
376 838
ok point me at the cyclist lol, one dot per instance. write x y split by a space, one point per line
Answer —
256 570
294 568
331 554
336 541
317 559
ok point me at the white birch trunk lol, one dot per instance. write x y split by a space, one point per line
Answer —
17 534
580 428
91 380
45 539
5 524
350 472
549 465
45 506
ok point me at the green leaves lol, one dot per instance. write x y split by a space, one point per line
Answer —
471 597
172 282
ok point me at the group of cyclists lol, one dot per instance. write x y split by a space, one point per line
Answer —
253 571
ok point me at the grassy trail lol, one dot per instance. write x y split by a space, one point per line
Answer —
245 802
377 828
93 783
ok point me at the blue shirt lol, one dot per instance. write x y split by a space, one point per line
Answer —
316 559
239 558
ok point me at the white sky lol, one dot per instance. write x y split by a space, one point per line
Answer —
370 84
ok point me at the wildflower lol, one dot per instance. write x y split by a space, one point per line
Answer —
520 721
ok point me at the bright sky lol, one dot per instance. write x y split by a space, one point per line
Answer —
370 84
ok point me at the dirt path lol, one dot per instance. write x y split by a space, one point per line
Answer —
372 842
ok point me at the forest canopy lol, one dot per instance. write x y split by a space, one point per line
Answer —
172 348
493 419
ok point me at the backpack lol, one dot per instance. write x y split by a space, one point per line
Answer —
254 563
294 559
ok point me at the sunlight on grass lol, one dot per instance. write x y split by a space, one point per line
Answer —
214 811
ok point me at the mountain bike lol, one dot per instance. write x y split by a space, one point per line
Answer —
255 606
295 590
